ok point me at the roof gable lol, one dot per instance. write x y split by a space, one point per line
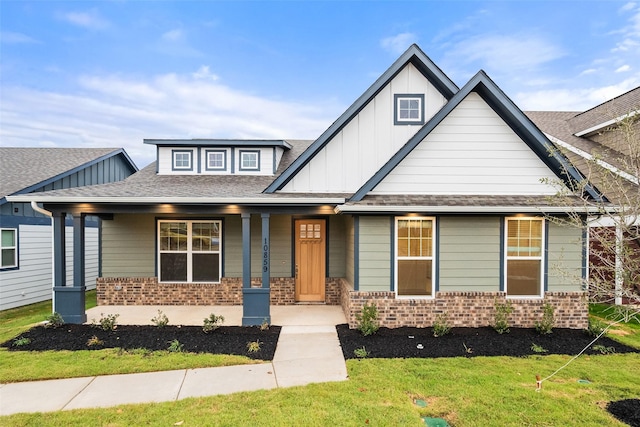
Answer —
413 56
508 112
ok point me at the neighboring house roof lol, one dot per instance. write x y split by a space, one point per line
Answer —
602 115
413 55
24 170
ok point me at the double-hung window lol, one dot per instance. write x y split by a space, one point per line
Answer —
408 109
9 247
415 247
524 260
189 251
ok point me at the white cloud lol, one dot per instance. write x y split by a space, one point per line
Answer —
628 6
89 19
173 35
623 69
399 43
116 111
505 52
10 37
204 73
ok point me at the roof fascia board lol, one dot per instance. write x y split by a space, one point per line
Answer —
44 198
413 55
606 124
508 111
62 175
388 209
221 142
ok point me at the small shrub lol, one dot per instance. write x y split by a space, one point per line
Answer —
361 353
175 346
21 341
264 326
441 326
368 320
253 346
545 325
212 323
596 327
94 341
106 323
161 320
603 349
503 310
538 348
54 320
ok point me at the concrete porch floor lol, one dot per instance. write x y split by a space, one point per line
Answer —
281 315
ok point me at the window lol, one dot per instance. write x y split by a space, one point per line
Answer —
9 247
189 251
249 160
415 243
216 160
524 256
408 109
182 160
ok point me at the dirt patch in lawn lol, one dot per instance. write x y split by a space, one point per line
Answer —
224 340
469 342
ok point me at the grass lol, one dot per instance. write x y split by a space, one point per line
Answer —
626 333
31 366
466 392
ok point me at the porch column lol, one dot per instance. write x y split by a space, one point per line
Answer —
70 300
255 301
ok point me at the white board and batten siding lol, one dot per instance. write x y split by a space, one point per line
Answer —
472 151
269 157
33 281
367 142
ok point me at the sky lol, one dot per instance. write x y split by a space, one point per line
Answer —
112 73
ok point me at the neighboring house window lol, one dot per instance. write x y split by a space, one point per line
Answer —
182 160
9 247
249 160
524 256
409 109
189 251
415 243
216 160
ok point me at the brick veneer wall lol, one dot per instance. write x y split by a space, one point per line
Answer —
470 309
147 291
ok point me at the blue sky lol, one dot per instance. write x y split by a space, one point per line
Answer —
111 73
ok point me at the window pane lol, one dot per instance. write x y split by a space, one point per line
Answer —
8 238
523 277
414 104
206 267
403 247
403 230
414 247
173 267
414 277
427 245
8 257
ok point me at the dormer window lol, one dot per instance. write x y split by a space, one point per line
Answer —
182 160
408 109
249 160
216 160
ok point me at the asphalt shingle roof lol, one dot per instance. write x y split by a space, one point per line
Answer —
22 168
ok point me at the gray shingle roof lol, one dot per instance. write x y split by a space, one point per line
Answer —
606 111
463 200
21 168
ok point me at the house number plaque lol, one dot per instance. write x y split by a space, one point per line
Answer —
265 256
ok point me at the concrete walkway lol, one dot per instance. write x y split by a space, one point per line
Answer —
307 352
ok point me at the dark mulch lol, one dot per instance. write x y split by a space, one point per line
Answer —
224 340
470 342
627 411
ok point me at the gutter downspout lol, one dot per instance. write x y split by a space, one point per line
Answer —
43 211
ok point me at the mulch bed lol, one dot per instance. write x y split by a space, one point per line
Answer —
627 411
469 342
224 340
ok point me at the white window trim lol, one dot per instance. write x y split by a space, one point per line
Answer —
541 258
432 258
397 120
175 167
14 247
241 165
189 250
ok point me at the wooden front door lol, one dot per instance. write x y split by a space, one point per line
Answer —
310 259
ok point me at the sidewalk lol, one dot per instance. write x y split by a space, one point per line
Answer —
304 354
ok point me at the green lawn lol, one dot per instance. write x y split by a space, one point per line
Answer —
627 333
481 391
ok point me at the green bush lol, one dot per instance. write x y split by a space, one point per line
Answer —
441 326
161 320
54 320
368 320
106 323
546 324
212 323
501 323
596 327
